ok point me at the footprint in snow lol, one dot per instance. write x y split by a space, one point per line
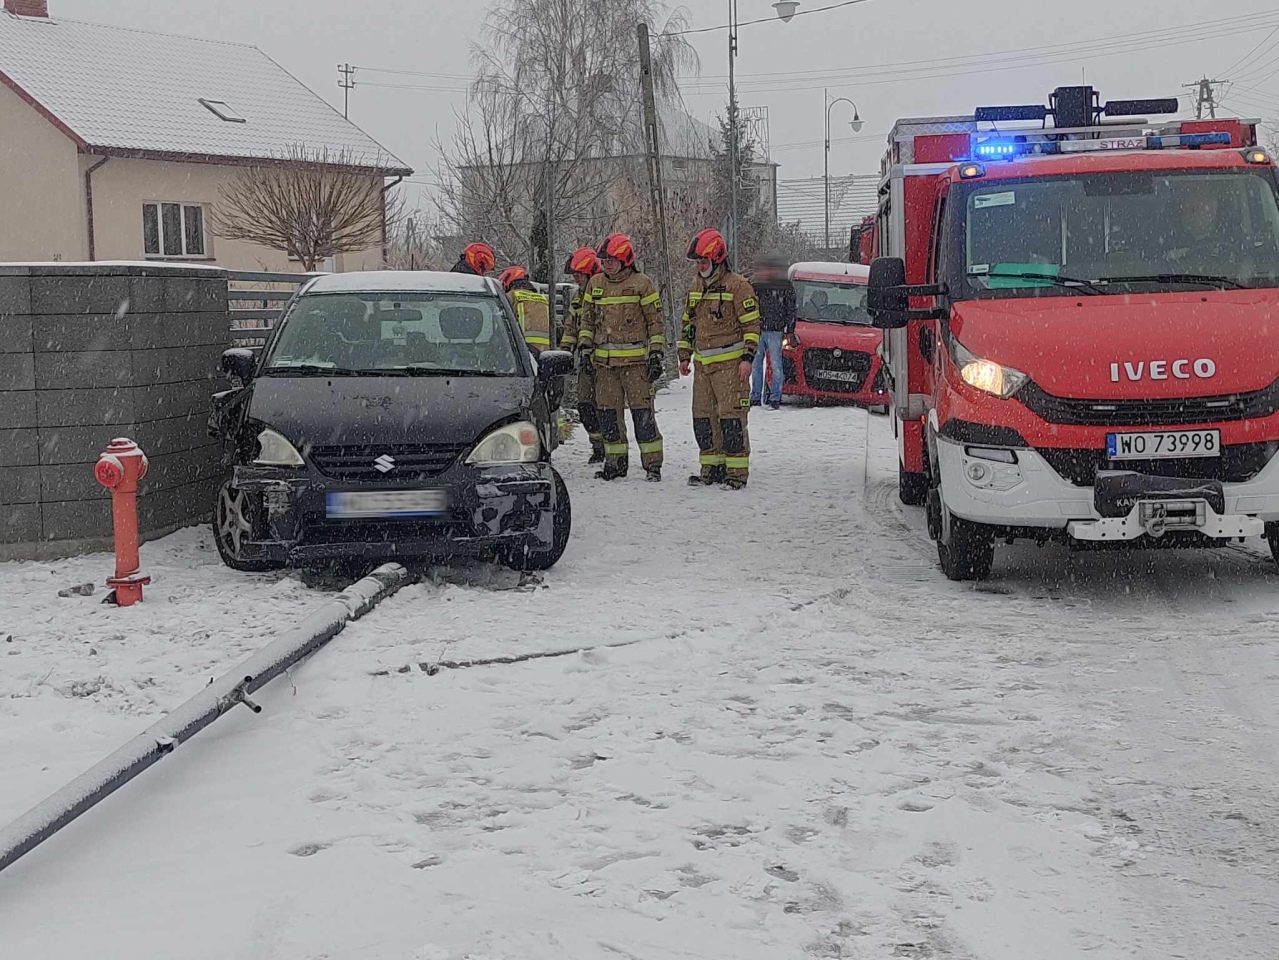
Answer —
309 849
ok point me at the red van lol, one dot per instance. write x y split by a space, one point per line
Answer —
834 356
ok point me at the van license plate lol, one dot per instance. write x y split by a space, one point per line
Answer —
347 505
1163 444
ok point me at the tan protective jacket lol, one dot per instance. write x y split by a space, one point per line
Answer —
621 319
721 320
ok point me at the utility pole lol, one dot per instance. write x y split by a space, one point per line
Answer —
656 194
732 130
1205 96
347 82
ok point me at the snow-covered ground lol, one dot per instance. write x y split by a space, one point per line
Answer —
813 745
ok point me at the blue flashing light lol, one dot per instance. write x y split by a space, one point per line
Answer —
1189 140
998 149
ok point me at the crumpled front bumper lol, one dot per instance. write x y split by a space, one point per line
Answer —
492 509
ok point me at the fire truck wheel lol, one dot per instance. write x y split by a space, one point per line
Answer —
912 488
1272 535
966 550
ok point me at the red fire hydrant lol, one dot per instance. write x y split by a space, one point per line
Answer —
119 469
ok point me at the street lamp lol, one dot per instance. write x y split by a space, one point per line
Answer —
786 10
856 124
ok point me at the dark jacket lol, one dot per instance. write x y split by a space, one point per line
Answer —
776 305
463 267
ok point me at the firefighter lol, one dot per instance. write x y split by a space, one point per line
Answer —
477 259
721 338
583 265
531 307
621 341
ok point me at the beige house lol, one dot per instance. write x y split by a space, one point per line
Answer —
115 144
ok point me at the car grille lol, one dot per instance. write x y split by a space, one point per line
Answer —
818 362
1154 413
412 461
1236 464
789 372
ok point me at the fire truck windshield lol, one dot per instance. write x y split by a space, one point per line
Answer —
1115 233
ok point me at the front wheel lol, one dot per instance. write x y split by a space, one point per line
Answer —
562 528
238 518
1272 537
968 550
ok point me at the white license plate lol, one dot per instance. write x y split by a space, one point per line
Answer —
345 505
849 376
1163 444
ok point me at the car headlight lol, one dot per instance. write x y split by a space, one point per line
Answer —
513 443
274 450
986 375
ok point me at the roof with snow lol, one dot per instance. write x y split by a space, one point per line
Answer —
402 281
122 91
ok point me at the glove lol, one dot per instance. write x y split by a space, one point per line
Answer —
586 360
656 360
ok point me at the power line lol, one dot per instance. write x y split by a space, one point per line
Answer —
416 73
748 23
1239 64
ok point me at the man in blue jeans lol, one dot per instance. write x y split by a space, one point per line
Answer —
776 299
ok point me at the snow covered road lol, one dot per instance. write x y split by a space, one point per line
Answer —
813 745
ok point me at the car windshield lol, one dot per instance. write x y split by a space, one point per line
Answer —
824 302
377 333
1117 233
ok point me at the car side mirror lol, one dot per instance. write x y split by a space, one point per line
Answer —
886 299
238 365
552 364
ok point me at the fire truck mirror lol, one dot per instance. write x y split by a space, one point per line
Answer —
886 299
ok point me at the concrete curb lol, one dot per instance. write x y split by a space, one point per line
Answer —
162 738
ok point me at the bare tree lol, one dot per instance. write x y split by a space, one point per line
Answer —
310 203
554 117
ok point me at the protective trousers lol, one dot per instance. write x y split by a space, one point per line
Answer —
587 409
617 388
721 404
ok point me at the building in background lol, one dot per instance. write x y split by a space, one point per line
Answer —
803 203
115 144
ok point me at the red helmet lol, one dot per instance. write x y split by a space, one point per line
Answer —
510 275
618 246
480 258
708 245
583 261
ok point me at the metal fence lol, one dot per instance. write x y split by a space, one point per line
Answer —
256 301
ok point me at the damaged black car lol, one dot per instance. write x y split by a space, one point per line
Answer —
391 416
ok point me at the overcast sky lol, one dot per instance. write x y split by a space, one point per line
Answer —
781 66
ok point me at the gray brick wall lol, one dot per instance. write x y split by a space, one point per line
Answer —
90 352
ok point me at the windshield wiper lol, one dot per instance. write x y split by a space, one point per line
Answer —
1208 280
1056 280
315 370
421 371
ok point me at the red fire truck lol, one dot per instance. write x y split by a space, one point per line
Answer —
1081 326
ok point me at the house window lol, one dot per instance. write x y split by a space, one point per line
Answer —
222 110
173 230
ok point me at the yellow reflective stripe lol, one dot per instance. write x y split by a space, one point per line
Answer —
684 345
749 317
720 358
718 297
568 339
712 459
651 298
652 446
616 449
694 297
737 463
538 339
603 353
657 340
615 301
586 336
751 338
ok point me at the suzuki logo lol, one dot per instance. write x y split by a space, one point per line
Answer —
837 353
384 464
1163 369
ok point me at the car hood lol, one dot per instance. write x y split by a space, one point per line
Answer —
1070 346
845 336
387 410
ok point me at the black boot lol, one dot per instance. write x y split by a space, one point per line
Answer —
597 456
735 483
653 474
611 472
697 480
718 474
